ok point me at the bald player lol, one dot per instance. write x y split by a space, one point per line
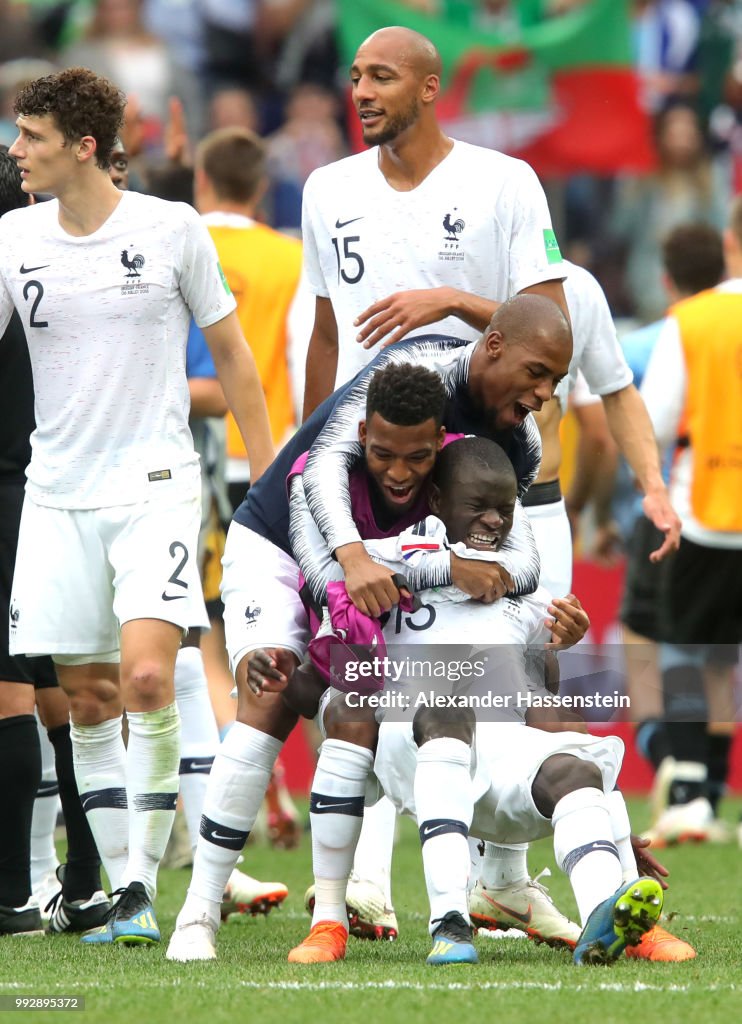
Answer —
447 224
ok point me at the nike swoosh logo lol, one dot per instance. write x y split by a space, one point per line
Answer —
217 835
194 767
345 223
173 597
325 807
85 800
525 918
30 270
430 831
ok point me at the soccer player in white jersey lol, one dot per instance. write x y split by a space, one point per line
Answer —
105 283
422 233
597 353
446 224
418 234
514 789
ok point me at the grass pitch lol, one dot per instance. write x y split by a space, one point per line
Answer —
389 982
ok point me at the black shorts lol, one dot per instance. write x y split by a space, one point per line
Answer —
701 599
15 668
639 606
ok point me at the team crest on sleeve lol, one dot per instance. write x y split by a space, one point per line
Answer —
453 228
133 264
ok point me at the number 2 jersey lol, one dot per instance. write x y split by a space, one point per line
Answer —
106 317
479 222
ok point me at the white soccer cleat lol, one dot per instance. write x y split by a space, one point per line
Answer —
684 823
194 940
526 906
45 891
246 895
368 915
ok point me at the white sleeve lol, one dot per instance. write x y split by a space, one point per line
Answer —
299 322
664 384
200 277
534 252
312 265
599 353
581 394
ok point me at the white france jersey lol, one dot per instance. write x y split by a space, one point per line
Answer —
596 350
106 316
479 223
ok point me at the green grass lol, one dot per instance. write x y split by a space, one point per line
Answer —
389 982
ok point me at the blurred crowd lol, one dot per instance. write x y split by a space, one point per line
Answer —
274 66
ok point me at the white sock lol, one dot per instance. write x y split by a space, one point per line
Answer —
99 757
237 784
445 804
584 847
373 859
504 865
336 814
152 762
621 827
199 735
45 809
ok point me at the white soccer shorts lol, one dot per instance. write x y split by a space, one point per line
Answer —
81 574
553 537
260 591
506 760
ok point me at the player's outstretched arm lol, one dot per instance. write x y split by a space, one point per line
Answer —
238 376
631 427
322 357
392 318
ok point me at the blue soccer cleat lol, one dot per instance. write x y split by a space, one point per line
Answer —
134 922
619 921
452 942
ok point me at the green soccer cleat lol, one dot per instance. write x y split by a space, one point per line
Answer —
619 921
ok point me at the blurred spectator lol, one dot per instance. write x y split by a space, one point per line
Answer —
685 188
667 34
233 107
304 41
118 45
309 138
19 36
179 25
13 76
232 55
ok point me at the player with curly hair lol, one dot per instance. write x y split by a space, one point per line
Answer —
105 283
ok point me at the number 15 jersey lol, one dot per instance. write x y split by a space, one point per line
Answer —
479 222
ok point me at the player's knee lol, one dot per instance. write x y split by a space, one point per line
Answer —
93 704
354 725
147 685
559 775
268 713
437 723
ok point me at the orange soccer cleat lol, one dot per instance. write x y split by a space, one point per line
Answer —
658 944
326 942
